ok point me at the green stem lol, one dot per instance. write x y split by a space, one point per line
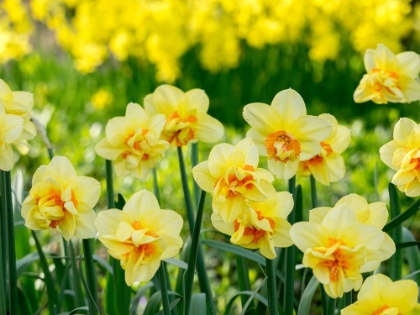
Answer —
273 307
164 289
90 276
194 162
243 277
75 279
4 241
348 298
313 192
395 262
290 259
109 184
331 306
203 279
11 244
156 184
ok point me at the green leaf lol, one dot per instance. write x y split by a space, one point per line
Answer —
24 305
395 261
23 263
79 310
101 262
198 303
407 244
176 262
307 296
251 294
141 292
411 254
153 304
403 216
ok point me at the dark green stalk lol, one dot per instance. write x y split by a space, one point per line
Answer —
194 162
75 279
331 306
348 299
243 277
273 307
156 184
164 289
395 262
11 245
109 184
4 239
90 275
290 259
313 192
200 264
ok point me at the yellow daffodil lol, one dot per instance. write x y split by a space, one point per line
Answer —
133 142
11 127
389 78
19 103
186 115
262 225
374 214
232 176
340 248
328 166
61 200
380 296
284 133
403 155
140 236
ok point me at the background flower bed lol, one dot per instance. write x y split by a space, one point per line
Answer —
75 107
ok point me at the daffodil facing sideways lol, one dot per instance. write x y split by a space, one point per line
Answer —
379 295
403 155
284 133
390 77
133 142
11 127
261 225
339 248
140 236
328 166
19 103
232 175
62 200
186 115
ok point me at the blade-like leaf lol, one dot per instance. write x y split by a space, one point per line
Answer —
306 300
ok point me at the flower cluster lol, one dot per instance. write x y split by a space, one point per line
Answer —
15 123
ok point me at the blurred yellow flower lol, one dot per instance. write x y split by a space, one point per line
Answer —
403 155
284 133
328 166
140 236
11 127
133 143
61 200
232 176
379 296
19 103
186 115
389 78
101 99
262 225
339 248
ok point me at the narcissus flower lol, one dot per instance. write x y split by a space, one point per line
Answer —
19 103
232 176
140 236
284 133
389 78
328 166
133 142
11 127
340 248
380 296
62 200
262 225
186 115
403 155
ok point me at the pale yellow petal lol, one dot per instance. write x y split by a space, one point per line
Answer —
373 287
135 111
105 150
341 139
208 129
385 58
68 226
409 63
410 88
378 215
118 129
402 130
310 129
402 294
290 105
263 117
308 235
85 227
283 170
259 140
198 99
369 60
266 246
140 202
107 221
387 154
7 158
168 98
61 170
249 150
86 189
203 177
316 215
412 189
222 157
222 226
12 128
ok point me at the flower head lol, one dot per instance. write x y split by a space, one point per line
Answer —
284 133
261 225
11 127
403 155
186 115
338 247
140 236
379 296
133 142
61 200
328 166
232 176
389 78
19 103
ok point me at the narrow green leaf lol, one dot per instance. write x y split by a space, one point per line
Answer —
198 303
101 262
91 276
395 262
176 262
307 296
76 311
141 292
172 305
153 304
164 289
273 301
24 305
403 216
253 295
93 306
412 255
23 263
243 277
407 244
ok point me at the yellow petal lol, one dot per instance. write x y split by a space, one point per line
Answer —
402 131
140 202
198 99
283 170
409 63
107 221
387 152
308 235
290 105
208 129
263 117
203 177
7 158
85 227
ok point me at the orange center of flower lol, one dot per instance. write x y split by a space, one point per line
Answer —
282 146
137 226
251 230
137 144
179 129
380 310
385 79
237 181
147 249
